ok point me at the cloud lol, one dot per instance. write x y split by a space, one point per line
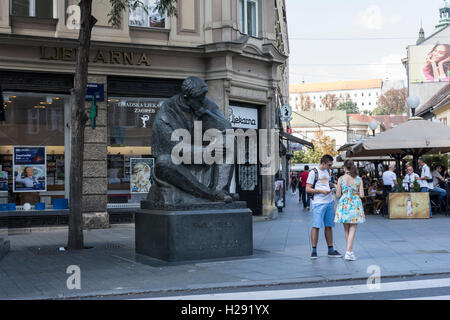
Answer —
373 19
388 67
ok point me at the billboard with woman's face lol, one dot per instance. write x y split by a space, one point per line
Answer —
430 63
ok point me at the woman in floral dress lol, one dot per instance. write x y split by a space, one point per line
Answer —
349 210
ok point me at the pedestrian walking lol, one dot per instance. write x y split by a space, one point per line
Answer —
318 184
350 211
303 196
294 182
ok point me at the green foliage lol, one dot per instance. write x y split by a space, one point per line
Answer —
349 107
380 111
416 187
437 159
117 6
392 102
400 185
308 156
322 145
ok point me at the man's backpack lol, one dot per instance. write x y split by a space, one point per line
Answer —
316 177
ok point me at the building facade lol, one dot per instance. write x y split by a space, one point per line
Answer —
232 44
364 93
427 77
341 127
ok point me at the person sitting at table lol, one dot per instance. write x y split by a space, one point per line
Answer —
439 188
438 180
372 195
446 175
410 177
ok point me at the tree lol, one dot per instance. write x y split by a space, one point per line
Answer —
305 103
392 102
78 93
323 144
349 107
330 101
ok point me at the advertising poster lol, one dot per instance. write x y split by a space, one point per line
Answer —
409 205
3 180
140 174
29 165
430 63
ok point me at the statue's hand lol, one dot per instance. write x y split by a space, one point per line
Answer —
222 196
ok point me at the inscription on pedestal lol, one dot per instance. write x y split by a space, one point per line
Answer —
194 235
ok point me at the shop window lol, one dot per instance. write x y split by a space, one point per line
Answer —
33 121
130 122
147 17
248 13
33 8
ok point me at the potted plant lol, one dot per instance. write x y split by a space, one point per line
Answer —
400 185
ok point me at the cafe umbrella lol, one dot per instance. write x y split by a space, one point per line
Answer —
415 137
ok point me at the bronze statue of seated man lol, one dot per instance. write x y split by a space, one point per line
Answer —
191 182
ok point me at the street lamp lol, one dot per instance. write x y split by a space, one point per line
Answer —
412 102
373 125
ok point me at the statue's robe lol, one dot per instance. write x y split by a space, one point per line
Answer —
174 115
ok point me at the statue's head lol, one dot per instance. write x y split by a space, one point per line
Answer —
194 88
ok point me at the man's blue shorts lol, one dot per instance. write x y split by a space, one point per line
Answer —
323 214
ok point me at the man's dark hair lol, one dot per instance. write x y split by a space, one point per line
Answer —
420 159
437 166
326 158
306 168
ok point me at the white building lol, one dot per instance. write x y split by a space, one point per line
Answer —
364 93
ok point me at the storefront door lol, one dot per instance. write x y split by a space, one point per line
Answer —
248 183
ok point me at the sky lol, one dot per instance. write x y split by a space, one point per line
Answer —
333 40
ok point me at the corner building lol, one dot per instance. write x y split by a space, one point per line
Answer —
232 44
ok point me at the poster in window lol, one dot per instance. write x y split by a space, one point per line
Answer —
140 172
30 169
3 180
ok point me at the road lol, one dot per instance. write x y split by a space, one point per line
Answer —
410 288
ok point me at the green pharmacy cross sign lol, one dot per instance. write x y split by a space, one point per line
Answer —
94 92
93 112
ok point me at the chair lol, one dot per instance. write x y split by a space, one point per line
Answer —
368 203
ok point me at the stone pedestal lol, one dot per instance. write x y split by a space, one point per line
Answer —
197 232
